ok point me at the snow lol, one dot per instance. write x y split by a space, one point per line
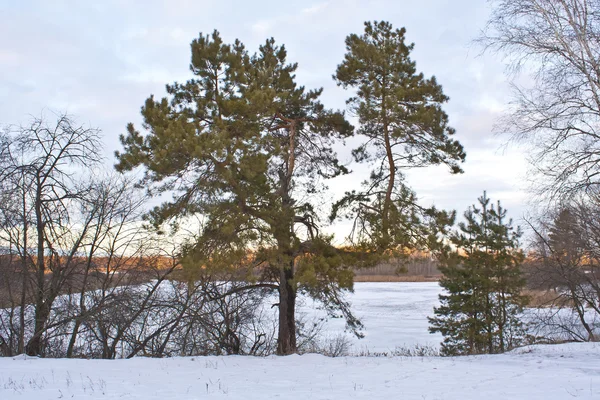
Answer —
540 372
394 315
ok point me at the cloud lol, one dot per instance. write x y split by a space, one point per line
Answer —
315 9
262 27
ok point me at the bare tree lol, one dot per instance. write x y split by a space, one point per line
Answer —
557 44
566 263
112 245
40 162
81 275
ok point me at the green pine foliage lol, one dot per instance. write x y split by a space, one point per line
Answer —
401 117
479 311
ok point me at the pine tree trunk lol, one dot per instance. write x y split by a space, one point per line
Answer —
385 223
286 341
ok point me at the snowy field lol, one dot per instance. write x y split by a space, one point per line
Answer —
394 315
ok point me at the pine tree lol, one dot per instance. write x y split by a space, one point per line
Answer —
247 148
479 311
401 117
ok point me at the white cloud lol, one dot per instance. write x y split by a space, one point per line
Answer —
315 9
262 27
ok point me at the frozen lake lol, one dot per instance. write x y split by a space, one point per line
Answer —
394 314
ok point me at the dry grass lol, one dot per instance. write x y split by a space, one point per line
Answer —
540 298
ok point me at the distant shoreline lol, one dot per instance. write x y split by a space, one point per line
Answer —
396 278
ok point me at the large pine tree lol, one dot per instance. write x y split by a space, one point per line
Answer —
246 147
401 116
479 311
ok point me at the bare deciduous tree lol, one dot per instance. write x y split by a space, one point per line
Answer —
557 44
39 163
566 263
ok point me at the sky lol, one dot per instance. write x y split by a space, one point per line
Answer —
100 60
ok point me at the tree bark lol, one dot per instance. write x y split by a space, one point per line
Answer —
33 348
24 271
387 203
286 341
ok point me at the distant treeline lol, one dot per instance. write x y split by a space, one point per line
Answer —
422 266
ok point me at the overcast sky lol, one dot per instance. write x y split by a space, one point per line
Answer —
99 60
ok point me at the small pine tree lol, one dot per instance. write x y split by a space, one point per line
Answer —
479 313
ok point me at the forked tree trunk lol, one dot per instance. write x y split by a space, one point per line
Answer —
34 346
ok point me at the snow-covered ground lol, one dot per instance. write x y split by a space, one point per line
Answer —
541 372
394 315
